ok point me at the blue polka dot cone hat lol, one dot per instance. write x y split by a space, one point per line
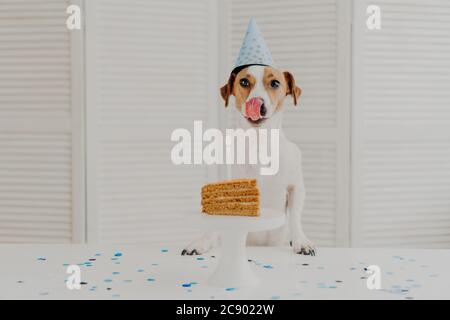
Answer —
254 50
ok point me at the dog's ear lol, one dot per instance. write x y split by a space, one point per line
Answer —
292 88
227 90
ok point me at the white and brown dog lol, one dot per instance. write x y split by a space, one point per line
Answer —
266 88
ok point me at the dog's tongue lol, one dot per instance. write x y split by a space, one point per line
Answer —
253 109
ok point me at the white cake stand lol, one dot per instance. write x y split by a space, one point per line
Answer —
233 268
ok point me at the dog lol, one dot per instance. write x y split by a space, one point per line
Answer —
266 88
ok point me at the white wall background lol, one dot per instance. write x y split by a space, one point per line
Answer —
374 129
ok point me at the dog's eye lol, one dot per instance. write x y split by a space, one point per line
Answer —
274 84
244 83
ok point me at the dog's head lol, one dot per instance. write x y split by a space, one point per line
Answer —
259 92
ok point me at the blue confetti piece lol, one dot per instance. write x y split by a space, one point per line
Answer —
151 280
115 273
108 280
200 258
230 289
268 266
41 259
193 283
186 285
98 254
164 250
140 270
118 254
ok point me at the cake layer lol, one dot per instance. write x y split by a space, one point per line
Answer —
230 207
230 185
247 212
251 199
231 193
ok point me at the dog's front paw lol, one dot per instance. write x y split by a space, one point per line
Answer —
199 247
304 246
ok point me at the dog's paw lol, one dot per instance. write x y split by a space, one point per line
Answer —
304 246
199 247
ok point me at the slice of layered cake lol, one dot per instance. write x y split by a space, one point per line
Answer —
233 197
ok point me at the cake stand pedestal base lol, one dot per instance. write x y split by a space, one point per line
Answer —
233 269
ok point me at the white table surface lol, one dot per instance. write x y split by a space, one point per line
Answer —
145 272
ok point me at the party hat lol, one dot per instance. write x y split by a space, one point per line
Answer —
254 50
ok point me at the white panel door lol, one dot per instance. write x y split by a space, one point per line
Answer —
311 39
40 133
401 125
150 70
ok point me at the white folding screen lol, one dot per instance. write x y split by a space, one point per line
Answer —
312 40
401 121
152 67
40 133
150 70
